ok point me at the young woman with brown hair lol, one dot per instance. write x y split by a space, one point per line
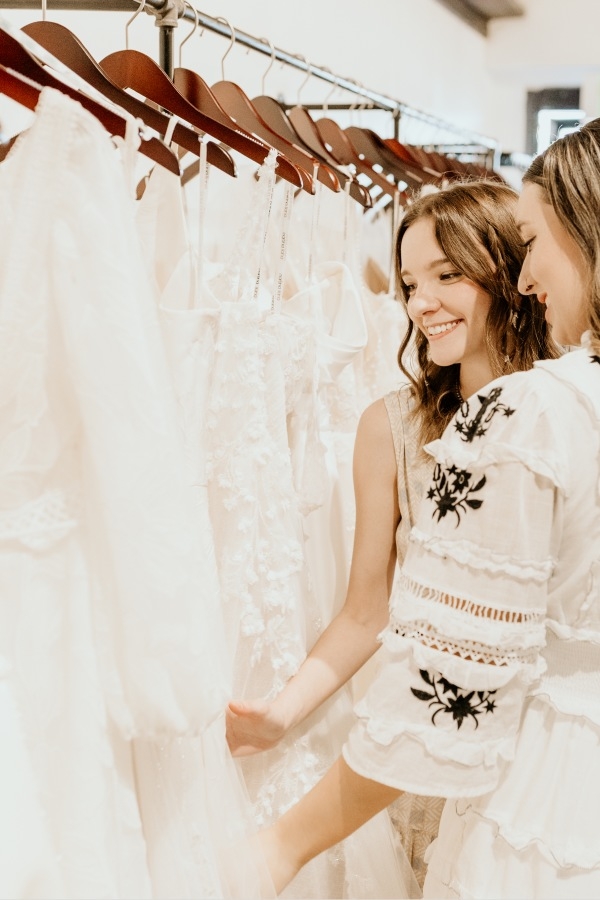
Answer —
491 696
459 255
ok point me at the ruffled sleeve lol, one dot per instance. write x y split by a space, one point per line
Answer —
467 620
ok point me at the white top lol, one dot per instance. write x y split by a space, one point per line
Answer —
498 609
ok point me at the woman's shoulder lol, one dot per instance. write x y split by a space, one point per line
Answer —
386 417
401 400
528 417
550 384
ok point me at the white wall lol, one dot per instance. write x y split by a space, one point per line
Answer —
413 50
555 44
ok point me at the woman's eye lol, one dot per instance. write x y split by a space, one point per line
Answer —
409 288
527 245
448 276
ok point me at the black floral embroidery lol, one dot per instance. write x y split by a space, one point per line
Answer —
596 359
451 491
469 429
452 700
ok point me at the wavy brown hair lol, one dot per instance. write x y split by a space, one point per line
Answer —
568 173
475 228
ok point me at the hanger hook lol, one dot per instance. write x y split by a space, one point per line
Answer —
270 66
366 104
332 90
354 103
192 32
353 106
309 70
129 21
231 43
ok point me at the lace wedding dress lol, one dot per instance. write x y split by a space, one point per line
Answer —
195 812
99 555
272 617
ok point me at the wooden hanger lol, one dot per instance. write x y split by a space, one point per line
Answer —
21 90
135 70
195 90
423 158
67 47
344 152
235 102
298 131
368 144
14 56
403 153
238 107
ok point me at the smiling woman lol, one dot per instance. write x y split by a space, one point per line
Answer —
459 254
555 266
489 693
447 307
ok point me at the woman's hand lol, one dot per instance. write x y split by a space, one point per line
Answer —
253 726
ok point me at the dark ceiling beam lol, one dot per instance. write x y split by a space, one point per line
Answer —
469 15
477 13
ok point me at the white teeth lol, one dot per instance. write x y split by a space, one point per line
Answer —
438 329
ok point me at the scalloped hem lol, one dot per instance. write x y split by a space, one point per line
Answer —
407 765
572 633
476 858
543 789
521 842
483 559
570 709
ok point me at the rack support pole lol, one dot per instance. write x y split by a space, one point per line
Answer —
166 19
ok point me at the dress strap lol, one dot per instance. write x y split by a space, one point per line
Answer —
285 227
396 412
203 187
411 467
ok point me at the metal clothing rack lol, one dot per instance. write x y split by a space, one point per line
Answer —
168 12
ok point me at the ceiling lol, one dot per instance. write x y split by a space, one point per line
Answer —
478 13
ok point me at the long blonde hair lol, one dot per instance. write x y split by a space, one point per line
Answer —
475 228
568 173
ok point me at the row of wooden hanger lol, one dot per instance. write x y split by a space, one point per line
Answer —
308 150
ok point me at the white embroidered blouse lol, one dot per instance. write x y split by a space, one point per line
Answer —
499 599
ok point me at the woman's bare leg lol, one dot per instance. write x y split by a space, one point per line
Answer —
339 804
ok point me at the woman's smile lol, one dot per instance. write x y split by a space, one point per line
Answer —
435 332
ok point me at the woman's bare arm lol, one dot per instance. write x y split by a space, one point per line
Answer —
351 638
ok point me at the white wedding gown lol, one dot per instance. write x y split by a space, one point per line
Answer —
272 616
195 811
98 555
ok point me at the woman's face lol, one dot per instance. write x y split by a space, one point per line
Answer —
445 305
554 267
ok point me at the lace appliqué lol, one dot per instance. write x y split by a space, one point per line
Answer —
447 698
452 491
469 429
43 522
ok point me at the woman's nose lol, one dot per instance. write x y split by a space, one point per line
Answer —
423 301
525 284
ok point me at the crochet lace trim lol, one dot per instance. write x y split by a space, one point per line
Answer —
470 650
462 604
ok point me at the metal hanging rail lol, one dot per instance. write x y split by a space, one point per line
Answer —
167 13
